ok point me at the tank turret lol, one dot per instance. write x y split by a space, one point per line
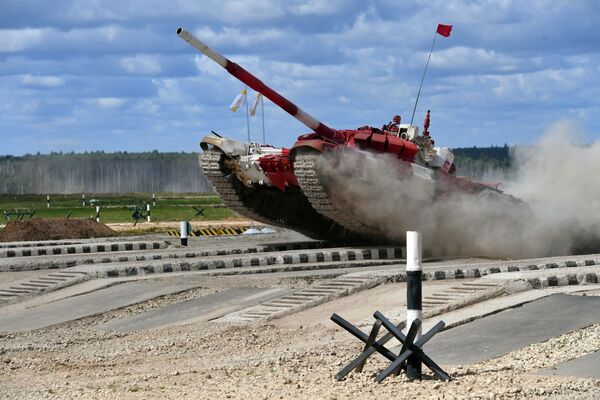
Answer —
256 84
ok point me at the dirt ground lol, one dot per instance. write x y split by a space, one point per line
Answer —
285 359
53 229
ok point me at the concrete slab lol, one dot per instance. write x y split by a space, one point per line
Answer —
583 367
72 308
200 309
513 329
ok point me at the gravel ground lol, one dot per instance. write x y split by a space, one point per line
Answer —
208 360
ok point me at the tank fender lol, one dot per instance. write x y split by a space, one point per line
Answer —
230 147
318 145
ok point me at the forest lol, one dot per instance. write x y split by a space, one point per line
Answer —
99 172
123 172
483 163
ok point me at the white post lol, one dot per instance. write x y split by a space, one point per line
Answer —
48 200
414 271
97 213
184 232
83 199
153 200
148 209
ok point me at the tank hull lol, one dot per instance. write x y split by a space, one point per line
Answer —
310 202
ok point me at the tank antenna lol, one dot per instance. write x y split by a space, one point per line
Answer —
443 30
247 114
262 112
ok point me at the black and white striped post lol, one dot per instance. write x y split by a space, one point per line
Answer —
83 199
97 213
153 201
148 215
414 270
48 201
183 230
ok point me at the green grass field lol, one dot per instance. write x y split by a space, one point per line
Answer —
114 208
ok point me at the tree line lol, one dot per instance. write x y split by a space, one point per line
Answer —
99 172
483 163
123 172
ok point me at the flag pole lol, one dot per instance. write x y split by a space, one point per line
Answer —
247 114
423 78
262 112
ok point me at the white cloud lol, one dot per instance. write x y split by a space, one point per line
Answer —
44 81
110 102
541 85
468 58
229 36
168 90
13 40
317 7
143 64
207 66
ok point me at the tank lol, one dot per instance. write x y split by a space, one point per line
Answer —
289 187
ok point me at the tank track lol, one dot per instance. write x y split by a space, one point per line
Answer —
211 167
305 169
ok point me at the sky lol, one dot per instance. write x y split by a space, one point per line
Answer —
111 75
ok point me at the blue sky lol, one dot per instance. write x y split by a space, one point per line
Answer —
112 75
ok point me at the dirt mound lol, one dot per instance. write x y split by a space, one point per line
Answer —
53 229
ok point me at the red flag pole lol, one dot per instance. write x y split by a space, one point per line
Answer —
423 78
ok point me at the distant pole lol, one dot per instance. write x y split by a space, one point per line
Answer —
148 209
422 79
153 200
247 115
183 230
414 271
83 199
48 200
262 111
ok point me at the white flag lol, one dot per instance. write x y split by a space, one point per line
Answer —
239 101
255 104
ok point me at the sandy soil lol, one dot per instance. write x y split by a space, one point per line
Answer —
267 361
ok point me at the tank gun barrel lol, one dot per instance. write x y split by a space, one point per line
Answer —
256 84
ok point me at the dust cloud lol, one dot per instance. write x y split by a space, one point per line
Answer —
556 179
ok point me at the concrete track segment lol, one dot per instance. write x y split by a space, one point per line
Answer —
177 252
240 261
587 366
93 303
513 329
81 249
203 308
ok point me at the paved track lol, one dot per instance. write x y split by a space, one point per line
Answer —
200 309
583 367
514 329
97 302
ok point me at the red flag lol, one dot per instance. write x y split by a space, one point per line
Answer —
444 30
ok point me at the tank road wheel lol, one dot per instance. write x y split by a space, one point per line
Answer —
315 190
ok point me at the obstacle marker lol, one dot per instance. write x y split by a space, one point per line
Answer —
411 355
414 312
183 229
